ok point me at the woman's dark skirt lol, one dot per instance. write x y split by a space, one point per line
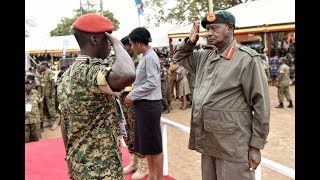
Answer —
148 139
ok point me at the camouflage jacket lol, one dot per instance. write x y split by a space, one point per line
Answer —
32 101
46 80
92 121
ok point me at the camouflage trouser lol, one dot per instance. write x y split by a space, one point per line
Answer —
169 93
130 126
98 166
41 106
31 132
164 100
283 91
50 105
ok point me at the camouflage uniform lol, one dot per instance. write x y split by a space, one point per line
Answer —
32 118
283 89
130 120
191 80
129 114
92 123
135 59
164 99
41 105
169 93
46 83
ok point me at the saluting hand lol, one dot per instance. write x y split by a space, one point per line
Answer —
254 158
112 39
194 34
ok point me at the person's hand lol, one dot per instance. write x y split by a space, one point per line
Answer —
254 158
194 34
127 101
112 39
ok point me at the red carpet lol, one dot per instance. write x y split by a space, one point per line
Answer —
44 160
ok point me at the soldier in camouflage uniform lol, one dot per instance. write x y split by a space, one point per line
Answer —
283 83
138 161
169 93
32 115
164 77
191 78
48 93
37 73
88 104
231 105
37 77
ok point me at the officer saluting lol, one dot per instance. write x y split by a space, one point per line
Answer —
231 108
88 104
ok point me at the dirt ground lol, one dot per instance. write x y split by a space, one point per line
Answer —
185 164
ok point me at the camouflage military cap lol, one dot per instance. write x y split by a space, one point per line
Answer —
221 16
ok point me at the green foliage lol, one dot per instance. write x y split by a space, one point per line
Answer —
185 11
64 27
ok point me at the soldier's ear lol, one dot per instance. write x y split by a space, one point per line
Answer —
93 40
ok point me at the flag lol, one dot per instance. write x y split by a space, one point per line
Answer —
139 6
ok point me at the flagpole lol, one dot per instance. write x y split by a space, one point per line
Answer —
80 8
139 18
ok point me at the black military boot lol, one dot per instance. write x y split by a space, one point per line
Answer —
41 127
280 105
290 104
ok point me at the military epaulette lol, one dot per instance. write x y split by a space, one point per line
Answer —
250 51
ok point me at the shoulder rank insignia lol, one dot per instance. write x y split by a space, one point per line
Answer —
230 52
250 51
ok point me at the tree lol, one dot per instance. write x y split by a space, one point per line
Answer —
64 27
185 11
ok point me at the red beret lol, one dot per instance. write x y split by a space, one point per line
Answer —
93 23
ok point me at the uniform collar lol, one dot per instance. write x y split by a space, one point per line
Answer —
85 58
228 52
